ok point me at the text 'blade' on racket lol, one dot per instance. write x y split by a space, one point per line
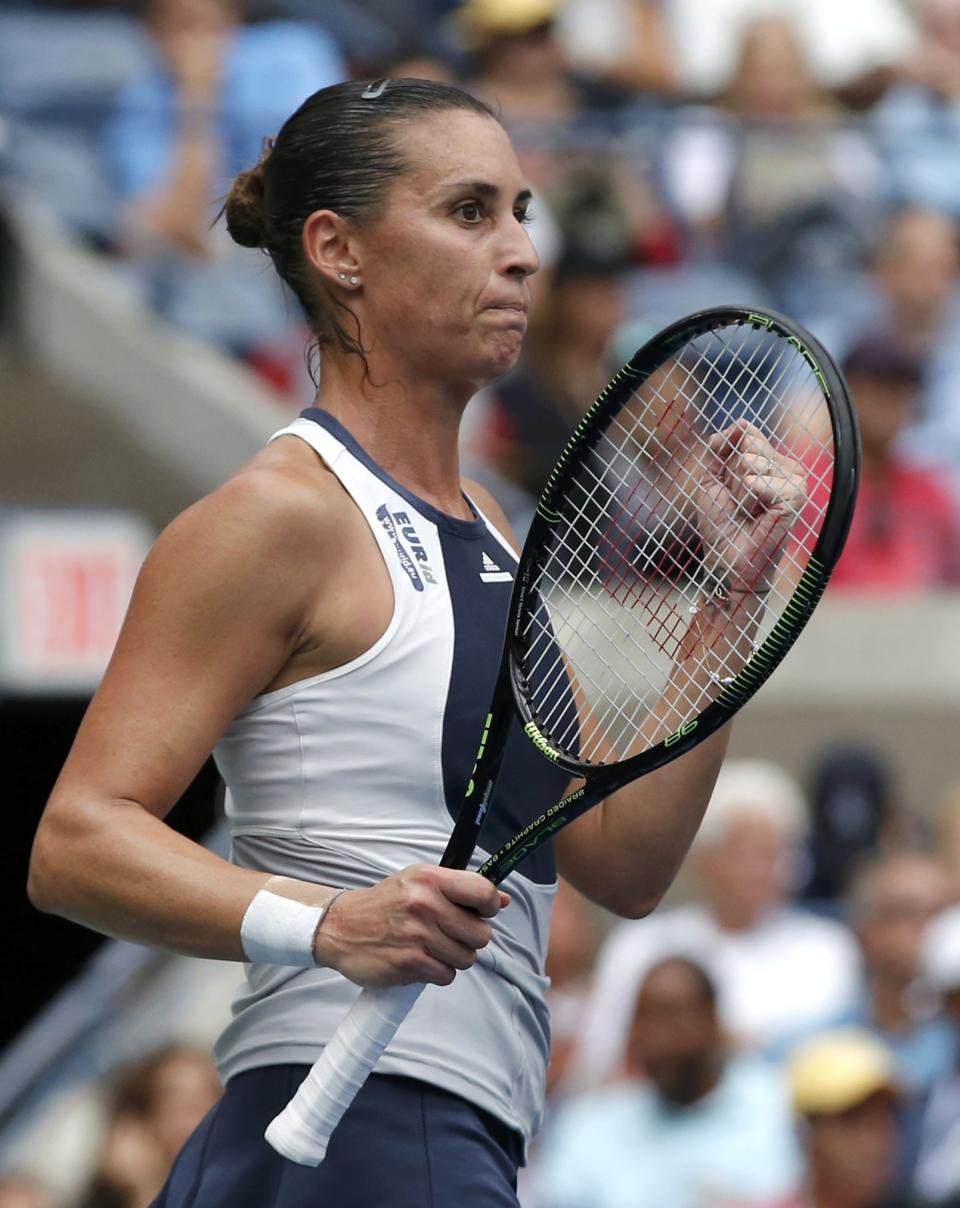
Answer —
680 546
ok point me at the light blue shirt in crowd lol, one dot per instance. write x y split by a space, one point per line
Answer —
918 134
270 71
626 1147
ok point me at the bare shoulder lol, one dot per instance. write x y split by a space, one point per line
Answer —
284 495
270 531
488 504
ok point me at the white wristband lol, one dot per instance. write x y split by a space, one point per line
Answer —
280 931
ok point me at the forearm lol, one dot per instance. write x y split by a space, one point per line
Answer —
625 853
116 868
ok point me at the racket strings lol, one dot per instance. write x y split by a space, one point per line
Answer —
627 565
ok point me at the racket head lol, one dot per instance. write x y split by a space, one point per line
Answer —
613 569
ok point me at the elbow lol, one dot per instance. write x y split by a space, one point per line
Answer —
41 876
628 901
56 864
635 906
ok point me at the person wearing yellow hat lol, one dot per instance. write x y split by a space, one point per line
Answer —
843 1086
482 20
519 63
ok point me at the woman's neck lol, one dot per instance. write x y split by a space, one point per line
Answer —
410 433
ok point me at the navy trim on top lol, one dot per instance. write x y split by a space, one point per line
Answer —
529 783
471 529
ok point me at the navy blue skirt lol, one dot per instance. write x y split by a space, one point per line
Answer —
402 1144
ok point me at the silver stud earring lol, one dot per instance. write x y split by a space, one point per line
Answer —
342 276
354 280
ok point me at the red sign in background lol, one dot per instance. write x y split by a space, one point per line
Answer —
67 580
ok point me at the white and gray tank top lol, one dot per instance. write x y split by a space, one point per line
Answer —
354 774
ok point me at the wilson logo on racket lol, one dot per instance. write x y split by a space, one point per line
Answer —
540 742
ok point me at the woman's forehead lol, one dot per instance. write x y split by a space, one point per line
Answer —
455 146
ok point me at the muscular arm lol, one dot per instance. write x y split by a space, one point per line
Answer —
217 610
222 604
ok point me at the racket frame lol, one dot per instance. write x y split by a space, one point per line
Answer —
600 780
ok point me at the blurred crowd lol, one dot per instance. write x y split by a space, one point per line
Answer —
151 1109
783 1032
788 1034
791 153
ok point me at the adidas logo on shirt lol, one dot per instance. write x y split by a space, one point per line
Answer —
492 573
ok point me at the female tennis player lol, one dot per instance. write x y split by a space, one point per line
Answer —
328 624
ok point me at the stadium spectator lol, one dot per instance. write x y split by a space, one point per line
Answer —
934 1128
845 42
694 1125
905 534
180 134
519 62
625 42
916 269
912 293
891 900
852 810
775 178
155 1108
917 122
843 1087
18 1191
778 968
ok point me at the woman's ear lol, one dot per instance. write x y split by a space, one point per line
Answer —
328 248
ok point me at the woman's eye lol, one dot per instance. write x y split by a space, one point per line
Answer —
470 211
523 215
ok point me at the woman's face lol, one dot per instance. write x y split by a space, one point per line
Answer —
445 261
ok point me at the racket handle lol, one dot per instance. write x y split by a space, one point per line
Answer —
302 1131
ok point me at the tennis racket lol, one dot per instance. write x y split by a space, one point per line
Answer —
680 546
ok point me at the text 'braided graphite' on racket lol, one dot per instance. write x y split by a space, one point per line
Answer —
680 546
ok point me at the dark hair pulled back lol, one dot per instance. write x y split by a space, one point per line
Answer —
336 152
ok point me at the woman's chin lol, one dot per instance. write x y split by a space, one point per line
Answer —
502 355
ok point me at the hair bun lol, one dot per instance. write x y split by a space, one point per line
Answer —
244 208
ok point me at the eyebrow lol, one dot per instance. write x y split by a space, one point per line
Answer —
486 190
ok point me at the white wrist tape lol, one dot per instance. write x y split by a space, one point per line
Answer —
280 931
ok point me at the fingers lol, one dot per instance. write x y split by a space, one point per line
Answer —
449 952
459 920
471 890
421 924
759 478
